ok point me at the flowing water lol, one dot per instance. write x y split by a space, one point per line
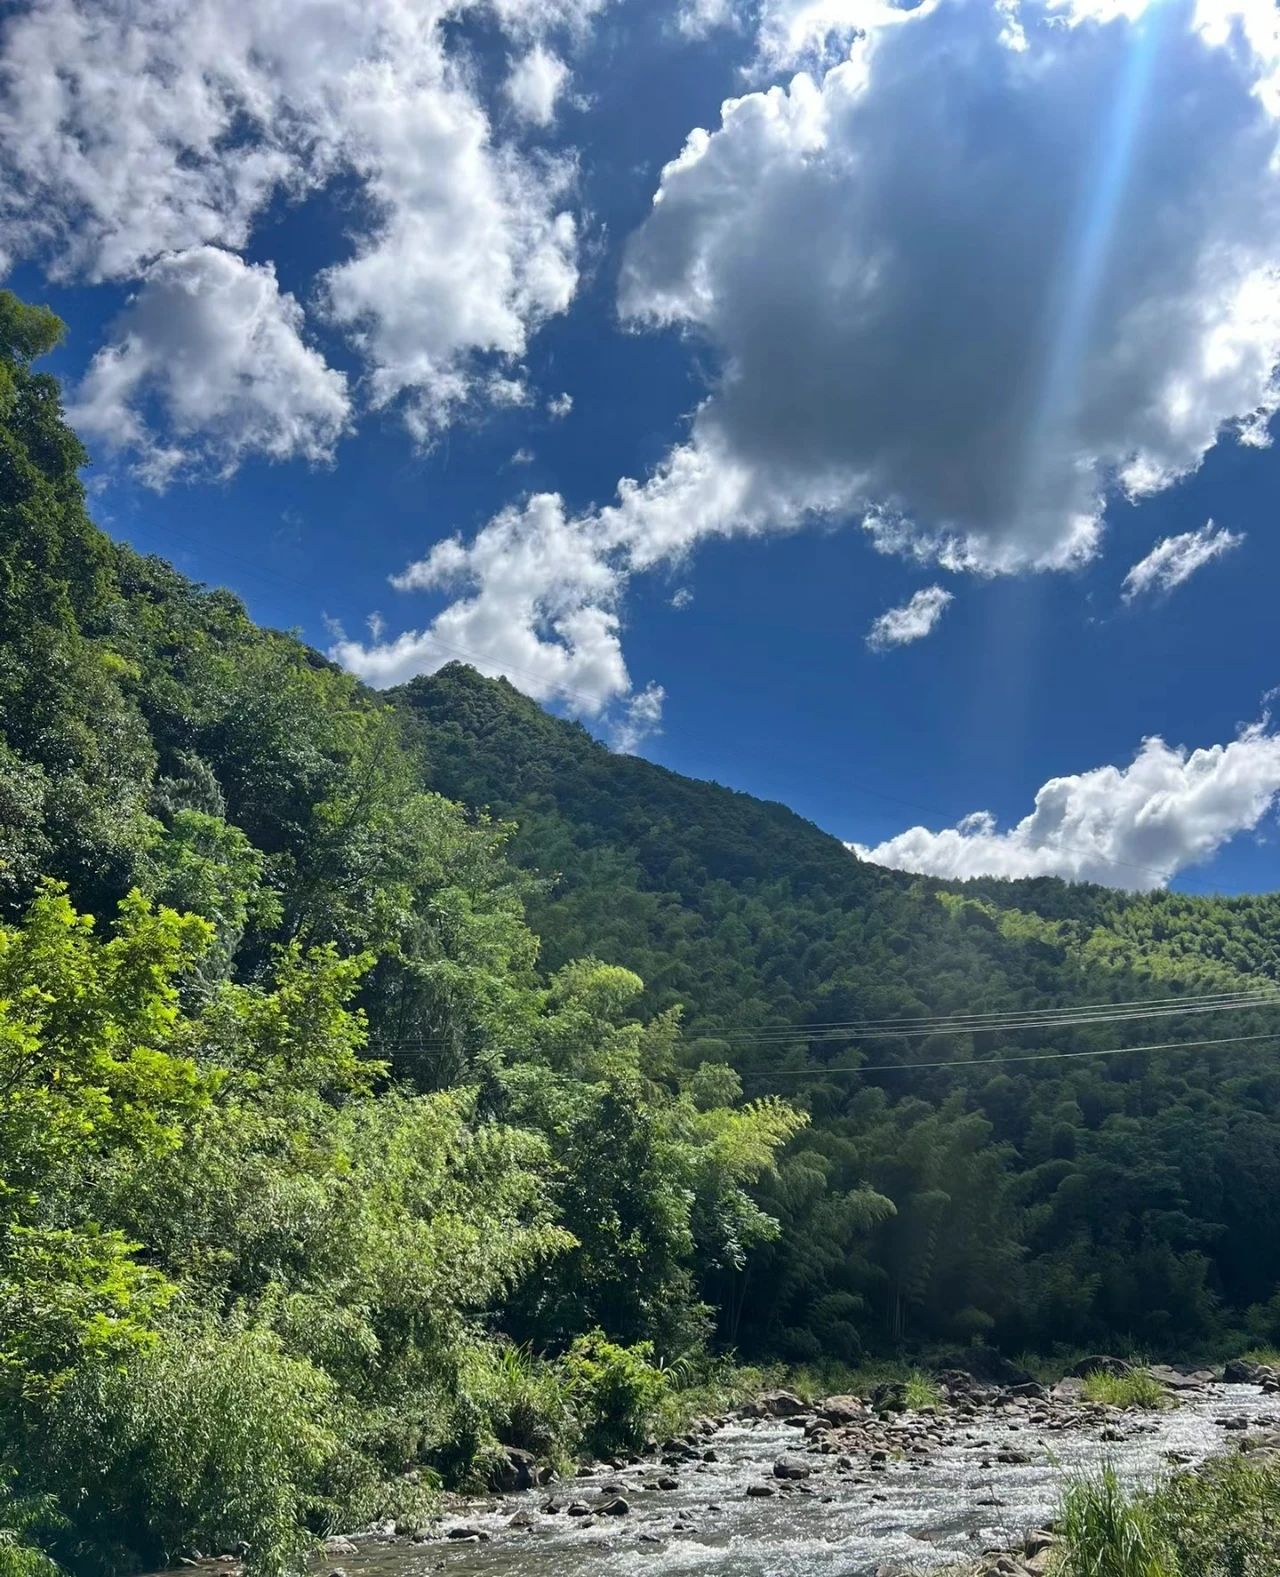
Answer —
917 1514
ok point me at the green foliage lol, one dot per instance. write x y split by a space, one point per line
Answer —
1220 1521
324 1173
1107 1533
617 1391
1139 1388
921 1391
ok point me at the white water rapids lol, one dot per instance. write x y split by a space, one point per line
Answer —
916 1513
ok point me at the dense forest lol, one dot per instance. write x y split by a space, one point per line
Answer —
390 1081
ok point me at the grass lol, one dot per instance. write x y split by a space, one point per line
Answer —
921 1391
1107 1533
1138 1388
1223 1521
1265 1355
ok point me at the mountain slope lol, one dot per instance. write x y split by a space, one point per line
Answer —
1066 1198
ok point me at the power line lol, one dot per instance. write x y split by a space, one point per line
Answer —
1136 1009
990 1027
975 1062
1266 988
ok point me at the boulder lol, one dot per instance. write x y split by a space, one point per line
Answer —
515 1469
1029 1388
759 1491
1240 1371
775 1404
616 1506
1179 1379
842 1409
987 1365
890 1397
791 1468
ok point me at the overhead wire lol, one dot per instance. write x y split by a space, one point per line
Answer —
1034 1056
1133 1010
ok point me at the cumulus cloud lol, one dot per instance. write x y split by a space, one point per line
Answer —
132 129
536 600
949 296
214 346
534 85
559 406
1130 827
1175 559
945 296
911 622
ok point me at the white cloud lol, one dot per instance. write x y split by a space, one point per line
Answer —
213 344
534 85
537 603
1175 559
945 299
1131 827
641 718
681 598
947 296
559 406
699 18
131 129
911 622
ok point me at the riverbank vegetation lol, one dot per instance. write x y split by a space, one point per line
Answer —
1220 1521
354 1138
1137 1388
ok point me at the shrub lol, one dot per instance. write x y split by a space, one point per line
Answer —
615 1391
1223 1521
25 1523
209 1439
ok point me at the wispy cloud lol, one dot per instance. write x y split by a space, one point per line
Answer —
911 622
1176 559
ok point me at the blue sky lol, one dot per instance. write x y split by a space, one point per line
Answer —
974 305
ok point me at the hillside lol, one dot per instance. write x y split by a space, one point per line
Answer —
1063 1200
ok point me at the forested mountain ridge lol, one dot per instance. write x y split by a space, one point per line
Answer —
657 866
1066 1200
342 1146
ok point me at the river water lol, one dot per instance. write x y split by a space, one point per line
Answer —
922 1513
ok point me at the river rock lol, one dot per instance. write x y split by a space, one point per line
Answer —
1174 1379
668 1483
617 1506
987 1365
842 1409
338 1545
791 1468
775 1404
463 1534
759 1491
515 1469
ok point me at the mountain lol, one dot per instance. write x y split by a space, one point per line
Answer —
1066 1199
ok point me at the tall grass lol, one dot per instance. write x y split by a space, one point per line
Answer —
921 1391
1138 1388
1106 1533
1222 1521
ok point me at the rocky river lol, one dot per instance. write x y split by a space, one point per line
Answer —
833 1490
